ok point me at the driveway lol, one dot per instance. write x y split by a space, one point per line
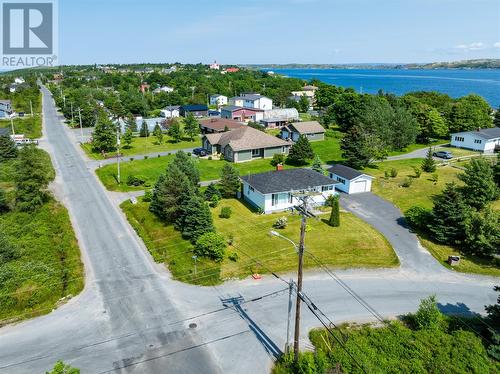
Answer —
419 153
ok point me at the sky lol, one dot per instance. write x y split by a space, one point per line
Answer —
277 31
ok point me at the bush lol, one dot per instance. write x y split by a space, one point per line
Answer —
233 256
210 158
418 171
386 174
335 214
278 158
330 133
132 180
393 173
146 157
428 315
189 154
418 217
214 201
211 245
225 212
281 223
147 196
330 200
230 239
406 183
434 177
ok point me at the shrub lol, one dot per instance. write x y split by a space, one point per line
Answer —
146 157
230 239
335 214
406 183
132 180
418 217
131 159
281 223
393 173
418 171
233 256
147 196
189 154
210 158
386 174
225 212
434 177
329 200
214 201
159 156
211 245
428 316
330 133
278 158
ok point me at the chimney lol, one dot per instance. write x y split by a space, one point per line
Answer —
279 167
478 129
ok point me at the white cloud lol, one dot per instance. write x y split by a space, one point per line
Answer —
476 46
496 45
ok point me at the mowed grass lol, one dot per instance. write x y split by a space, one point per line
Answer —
151 169
353 244
31 127
417 146
328 150
147 145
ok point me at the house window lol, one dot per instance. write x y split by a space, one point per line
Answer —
274 199
257 152
459 138
290 198
326 188
341 180
477 141
251 189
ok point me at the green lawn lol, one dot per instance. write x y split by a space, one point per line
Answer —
329 149
151 169
414 147
144 146
420 193
353 244
31 127
47 266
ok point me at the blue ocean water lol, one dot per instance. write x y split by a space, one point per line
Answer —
455 83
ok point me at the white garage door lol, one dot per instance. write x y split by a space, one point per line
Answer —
358 186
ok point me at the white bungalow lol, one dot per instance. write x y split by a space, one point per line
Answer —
350 180
482 140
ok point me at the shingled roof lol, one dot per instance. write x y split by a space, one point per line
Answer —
219 124
245 138
287 180
346 172
308 127
491 133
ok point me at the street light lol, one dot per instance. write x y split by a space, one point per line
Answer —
194 258
276 233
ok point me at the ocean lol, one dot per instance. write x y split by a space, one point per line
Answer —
455 83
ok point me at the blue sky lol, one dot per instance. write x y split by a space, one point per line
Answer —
277 31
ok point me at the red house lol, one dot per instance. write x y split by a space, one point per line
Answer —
242 114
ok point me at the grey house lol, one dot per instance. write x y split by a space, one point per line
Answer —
312 130
244 144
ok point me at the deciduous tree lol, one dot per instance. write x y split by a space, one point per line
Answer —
175 130
480 187
191 127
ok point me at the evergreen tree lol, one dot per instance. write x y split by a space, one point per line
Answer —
144 132
496 118
175 131
480 187
7 251
187 165
355 149
428 164
195 219
496 171
482 233
127 138
8 148
335 214
104 135
170 192
158 134
131 124
300 152
448 216
4 202
32 179
212 191
191 127
317 165
229 181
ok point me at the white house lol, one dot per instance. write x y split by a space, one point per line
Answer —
274 190
163 89
252 100
218 100
19 80
350 180
215 66
171 111
483 140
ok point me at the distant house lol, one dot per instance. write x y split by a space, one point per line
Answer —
279 117
350 180
214 66
161 89
170 69
252 100
218 100
483 140
274 191
242 114
244 144
144 87
232 70
171 111
4 131
197 110
312 130
5 108
309 92
150 122
211 125
19 80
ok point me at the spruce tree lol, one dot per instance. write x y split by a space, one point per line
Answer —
8 148
212 191
187 165
4 202
158 134
128 138
300 152
496 118
354 148
229 183
480 187
448 216
428 164
195 219
131 124
144 132
175 130
335 215
317 165
191 126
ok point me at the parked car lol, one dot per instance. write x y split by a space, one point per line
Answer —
443 154
199 152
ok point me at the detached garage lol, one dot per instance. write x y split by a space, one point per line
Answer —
350 180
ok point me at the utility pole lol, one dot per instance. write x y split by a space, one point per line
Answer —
118 153
290 292
72 117
299 279
81 128
12 126
31 107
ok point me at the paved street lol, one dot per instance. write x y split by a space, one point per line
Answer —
133 318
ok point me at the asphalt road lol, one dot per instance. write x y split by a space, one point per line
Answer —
132 318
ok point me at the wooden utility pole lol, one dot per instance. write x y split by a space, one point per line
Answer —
299 280
81 128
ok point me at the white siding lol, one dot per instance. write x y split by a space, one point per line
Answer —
474 142
360 184
253 196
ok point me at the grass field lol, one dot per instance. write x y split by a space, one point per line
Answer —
416 146
329 149
47 266
151 169
31 127
144 146
353 244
